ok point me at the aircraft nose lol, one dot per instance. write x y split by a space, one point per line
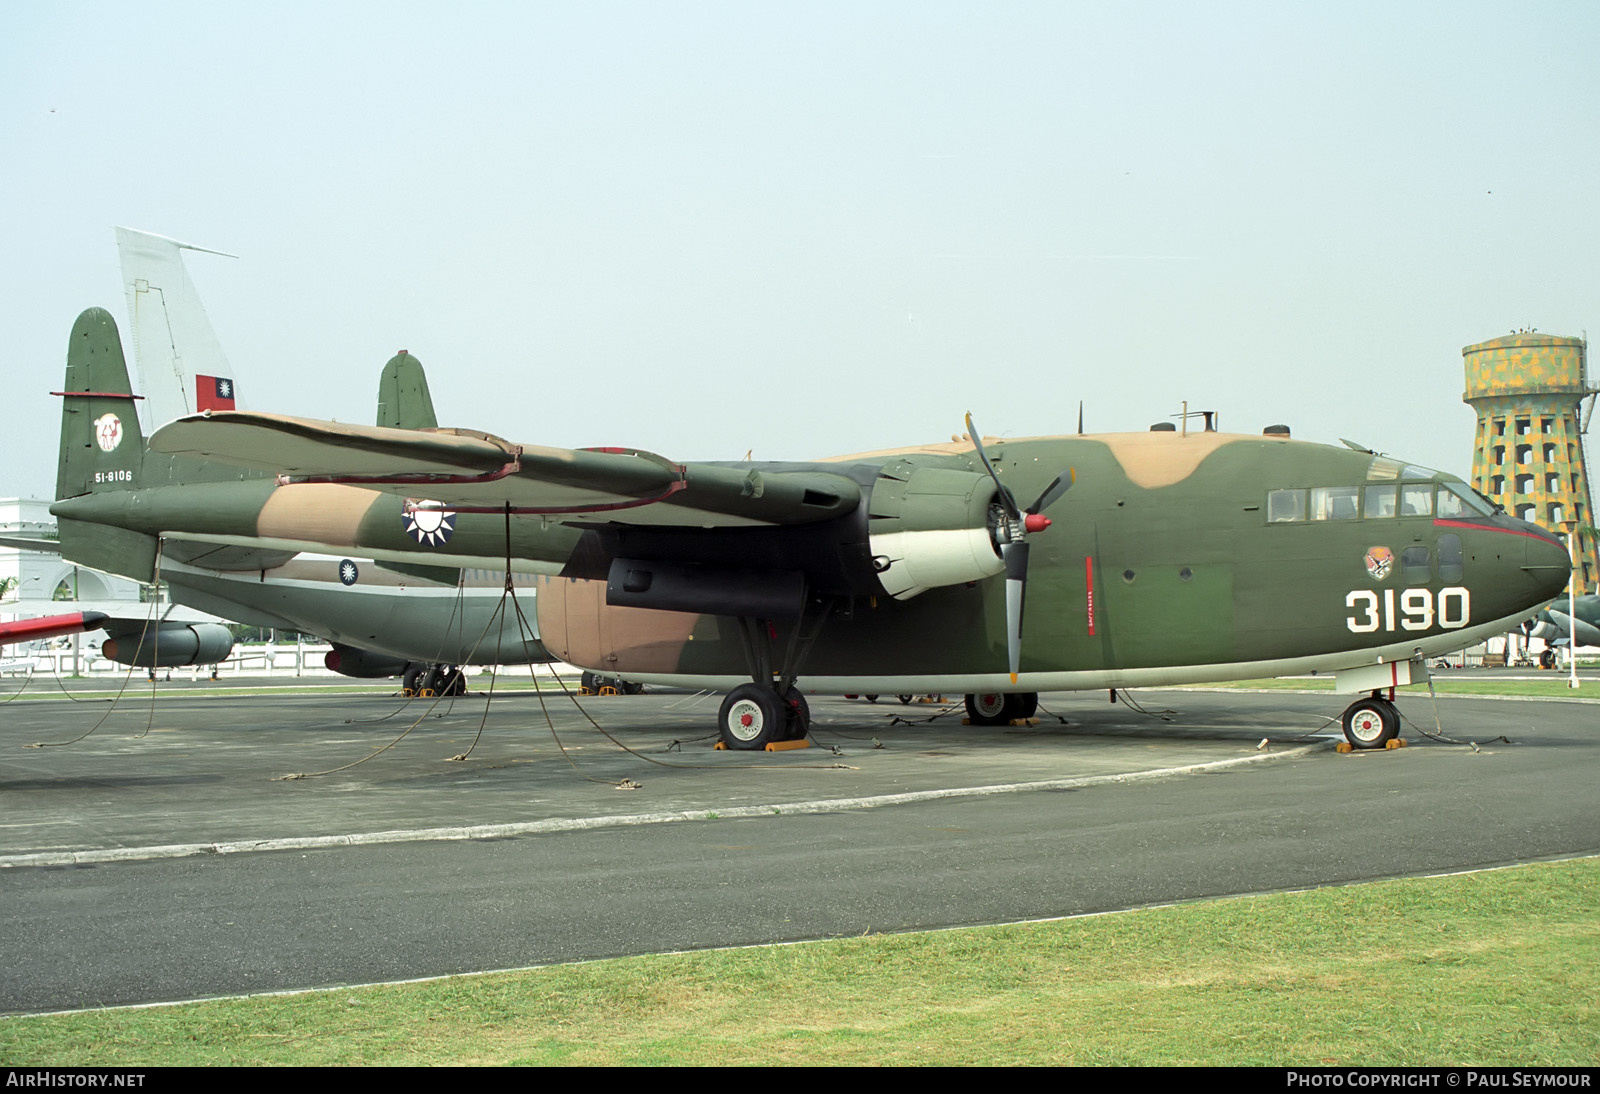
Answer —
1547 562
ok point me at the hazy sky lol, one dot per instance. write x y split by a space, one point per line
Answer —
804 229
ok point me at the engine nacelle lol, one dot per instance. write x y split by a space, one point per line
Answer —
170 646
930 527
364 664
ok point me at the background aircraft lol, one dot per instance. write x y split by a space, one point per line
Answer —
1556 626
1142 559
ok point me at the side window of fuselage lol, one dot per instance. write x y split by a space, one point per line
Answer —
1450 564
1416 566
1286 505
1334 502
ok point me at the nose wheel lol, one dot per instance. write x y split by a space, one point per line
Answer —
1371 723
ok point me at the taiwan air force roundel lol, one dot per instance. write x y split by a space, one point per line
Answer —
108 432
429 527
348 572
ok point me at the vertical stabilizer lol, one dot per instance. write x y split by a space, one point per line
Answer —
182 369
403 398
102 446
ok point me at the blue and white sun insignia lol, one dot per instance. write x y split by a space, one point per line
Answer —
429 526
348 572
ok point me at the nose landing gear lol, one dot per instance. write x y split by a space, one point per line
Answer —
1371 722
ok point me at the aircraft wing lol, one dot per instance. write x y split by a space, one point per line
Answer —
470 471
31 543
39 616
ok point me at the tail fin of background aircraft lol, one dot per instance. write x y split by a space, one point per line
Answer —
182 369
403 398
102 446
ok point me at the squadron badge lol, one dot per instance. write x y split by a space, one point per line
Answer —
1380 560
429 527
108 432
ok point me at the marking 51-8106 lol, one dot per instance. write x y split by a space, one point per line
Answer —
1419 609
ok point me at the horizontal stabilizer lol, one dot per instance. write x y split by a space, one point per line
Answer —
50 626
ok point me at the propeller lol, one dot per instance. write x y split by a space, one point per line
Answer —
1010 531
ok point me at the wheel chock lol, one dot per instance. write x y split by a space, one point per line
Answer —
1023 722
966 721
609 690
770 746
1397 742
1344 746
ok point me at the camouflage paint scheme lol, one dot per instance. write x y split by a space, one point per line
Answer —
414 613
1539 380
1161 565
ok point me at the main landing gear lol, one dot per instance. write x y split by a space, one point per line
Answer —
1371 722
754 716
997 709
770 709
427 681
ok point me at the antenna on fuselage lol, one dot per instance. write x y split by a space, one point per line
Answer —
1210 416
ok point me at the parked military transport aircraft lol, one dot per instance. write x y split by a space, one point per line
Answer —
1146 558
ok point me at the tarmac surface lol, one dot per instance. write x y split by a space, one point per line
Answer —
163 856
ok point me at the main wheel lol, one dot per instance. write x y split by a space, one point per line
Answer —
412 679
452 681
992 708
1547 659
1027 704
430 681
752 717
799 715
1371 723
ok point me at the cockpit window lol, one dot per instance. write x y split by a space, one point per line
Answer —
1416 498
1380 501
1383 469
1286 505
1412 471
1334 502
1456 499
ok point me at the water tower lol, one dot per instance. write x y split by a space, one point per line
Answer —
1527 389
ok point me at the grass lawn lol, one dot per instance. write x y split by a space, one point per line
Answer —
1495 968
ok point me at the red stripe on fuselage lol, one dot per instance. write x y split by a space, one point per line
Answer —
1440 522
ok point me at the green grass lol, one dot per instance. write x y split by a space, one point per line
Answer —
1486 969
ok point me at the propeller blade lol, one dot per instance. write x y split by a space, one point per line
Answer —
1015 556
1052 493
1008 502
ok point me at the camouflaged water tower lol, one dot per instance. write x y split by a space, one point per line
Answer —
1527 389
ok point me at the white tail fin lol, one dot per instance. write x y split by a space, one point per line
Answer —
174 346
